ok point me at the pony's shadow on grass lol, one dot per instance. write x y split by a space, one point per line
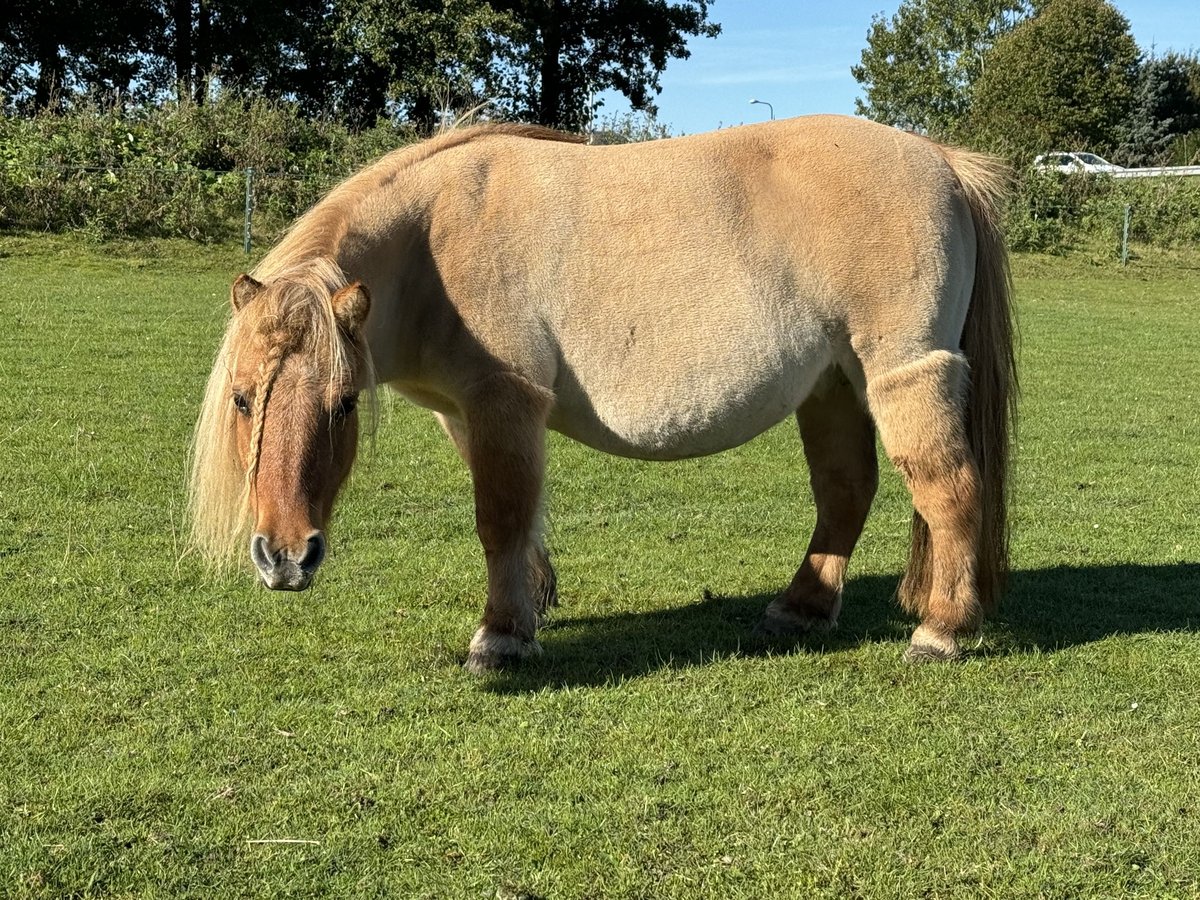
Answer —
1044 610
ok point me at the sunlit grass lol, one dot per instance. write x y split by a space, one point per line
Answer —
166 733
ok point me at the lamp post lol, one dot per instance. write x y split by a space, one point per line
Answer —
767 105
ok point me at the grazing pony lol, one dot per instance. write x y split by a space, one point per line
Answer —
660 301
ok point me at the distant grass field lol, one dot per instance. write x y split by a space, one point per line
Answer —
164 733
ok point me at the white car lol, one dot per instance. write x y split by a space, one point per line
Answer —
1074 163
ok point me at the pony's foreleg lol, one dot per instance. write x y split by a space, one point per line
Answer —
545 578
506 437
919 408
839 444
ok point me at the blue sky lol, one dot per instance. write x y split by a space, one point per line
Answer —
797 55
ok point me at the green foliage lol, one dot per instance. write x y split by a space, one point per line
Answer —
1165 211
1038 216
431 56
566 52
918 67
1185 149
174 169
352 60
628 128
1166 106
1061 80
1051 211
165 731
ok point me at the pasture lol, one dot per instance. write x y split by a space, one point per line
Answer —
166 732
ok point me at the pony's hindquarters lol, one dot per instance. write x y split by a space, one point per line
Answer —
944 419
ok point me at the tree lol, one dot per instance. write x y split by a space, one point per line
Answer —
1166 105
566 52
535 60
50 48
243 44
540 60
1063 79
919 66
428 54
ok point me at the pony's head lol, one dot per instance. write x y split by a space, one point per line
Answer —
278 429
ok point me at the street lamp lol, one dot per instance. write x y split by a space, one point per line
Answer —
767 105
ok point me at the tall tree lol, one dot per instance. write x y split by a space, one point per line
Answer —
426 54
919 66
538 60
245 44
50 48
566 51
542 60
1061 80
1166 104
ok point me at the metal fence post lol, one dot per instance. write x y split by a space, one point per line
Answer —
249 208
1125 236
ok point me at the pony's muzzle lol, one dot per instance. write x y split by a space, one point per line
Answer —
287 569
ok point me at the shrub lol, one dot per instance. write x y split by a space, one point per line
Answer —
175 169
1050 211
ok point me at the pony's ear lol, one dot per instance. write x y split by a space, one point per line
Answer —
244 290
351 305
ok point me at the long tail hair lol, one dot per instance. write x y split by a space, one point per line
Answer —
988 341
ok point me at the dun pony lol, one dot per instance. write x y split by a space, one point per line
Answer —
660 301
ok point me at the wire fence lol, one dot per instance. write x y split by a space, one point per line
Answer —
253 207
207 205
1049 211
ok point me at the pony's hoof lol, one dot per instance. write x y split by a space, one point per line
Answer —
784 620
491 652
930 645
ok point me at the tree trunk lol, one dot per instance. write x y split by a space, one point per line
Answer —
181 13
51 72
422 114
550 89
203 52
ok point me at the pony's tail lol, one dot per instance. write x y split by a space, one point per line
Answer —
988 341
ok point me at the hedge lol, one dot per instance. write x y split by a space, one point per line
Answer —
177 170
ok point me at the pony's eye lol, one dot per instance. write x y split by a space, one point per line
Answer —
346 405
242 404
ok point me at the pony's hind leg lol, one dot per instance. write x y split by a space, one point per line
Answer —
839 444
545 578
506 434
919 409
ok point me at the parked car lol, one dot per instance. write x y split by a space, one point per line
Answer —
1074 163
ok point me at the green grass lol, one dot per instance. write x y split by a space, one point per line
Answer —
155 723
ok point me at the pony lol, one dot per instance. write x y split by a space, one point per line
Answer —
660 300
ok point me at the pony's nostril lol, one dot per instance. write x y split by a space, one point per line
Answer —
264 560
314 552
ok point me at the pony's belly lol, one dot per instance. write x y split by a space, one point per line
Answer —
679 420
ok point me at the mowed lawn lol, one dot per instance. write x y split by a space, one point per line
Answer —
167 733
